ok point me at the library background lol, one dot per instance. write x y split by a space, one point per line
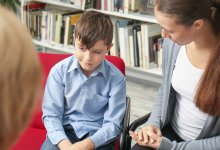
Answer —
52 23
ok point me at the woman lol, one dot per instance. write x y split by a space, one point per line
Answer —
187 108
20 75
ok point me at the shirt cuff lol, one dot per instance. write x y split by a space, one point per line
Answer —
98 139
56 137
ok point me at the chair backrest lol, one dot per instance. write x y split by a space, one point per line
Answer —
48 61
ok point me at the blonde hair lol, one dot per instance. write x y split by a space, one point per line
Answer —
20 77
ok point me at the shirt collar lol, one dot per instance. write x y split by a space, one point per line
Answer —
100 69
74 65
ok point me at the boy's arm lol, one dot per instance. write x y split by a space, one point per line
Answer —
86 144
53 107
113 115
65 144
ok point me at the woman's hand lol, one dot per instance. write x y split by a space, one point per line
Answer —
149 136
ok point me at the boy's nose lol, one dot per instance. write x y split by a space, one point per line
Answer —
88 55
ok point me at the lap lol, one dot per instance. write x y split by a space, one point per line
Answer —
138 147
48 145
110 146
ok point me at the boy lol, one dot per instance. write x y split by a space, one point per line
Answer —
84 100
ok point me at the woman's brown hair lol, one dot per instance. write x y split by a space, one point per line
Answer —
186 12
20 77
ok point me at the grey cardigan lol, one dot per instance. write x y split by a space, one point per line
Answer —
209 138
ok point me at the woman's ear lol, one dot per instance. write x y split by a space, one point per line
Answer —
198 24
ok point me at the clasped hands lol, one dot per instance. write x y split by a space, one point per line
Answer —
148 136
85 144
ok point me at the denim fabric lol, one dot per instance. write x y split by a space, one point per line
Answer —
47 145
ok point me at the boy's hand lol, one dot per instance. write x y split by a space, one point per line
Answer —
86 144
64 144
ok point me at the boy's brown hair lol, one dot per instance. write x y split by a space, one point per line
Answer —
92 27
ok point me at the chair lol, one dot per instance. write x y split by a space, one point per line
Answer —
35 134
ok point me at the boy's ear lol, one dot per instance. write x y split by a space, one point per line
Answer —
109 47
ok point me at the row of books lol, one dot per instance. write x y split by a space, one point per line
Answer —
123 6
54 27
140 43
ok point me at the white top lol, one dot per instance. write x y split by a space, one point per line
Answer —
188 120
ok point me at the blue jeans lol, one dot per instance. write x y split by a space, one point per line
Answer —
47 145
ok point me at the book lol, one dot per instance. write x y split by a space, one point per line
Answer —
136 47
146 7
149 31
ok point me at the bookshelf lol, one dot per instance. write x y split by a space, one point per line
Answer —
55 48
133 15
152 76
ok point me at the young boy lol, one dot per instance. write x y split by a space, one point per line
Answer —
84 100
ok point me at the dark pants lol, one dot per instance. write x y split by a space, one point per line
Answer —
47 145
167 132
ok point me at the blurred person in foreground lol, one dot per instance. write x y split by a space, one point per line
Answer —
20 76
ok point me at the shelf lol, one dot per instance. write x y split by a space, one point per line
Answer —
56 48
132 15
150 76
57 3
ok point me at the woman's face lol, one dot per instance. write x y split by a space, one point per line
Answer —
178 33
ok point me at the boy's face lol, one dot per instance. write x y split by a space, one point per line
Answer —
90 59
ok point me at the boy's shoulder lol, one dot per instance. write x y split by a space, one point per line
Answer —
65 63
111 69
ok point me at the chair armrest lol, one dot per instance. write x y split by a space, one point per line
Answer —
133 127
125 125
138 122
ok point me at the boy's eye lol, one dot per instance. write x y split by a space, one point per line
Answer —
82 48
97 52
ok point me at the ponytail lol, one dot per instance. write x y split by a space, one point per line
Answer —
215 16
208 94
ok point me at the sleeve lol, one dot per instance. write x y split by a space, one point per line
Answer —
203 144
155 117
113 115
53 107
